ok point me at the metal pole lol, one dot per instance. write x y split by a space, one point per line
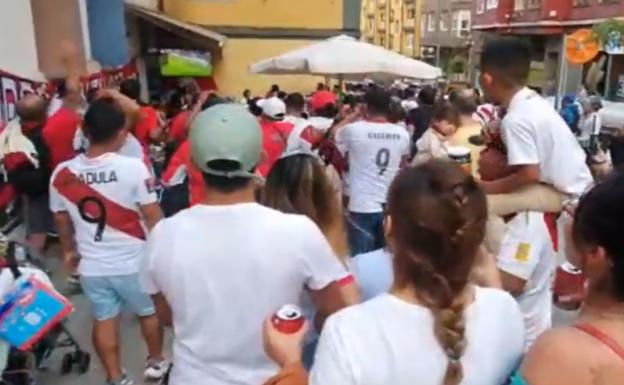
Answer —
437 31
607 92
562 73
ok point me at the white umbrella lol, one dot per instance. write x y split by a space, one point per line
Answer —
346 57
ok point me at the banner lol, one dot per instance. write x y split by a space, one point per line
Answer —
13 88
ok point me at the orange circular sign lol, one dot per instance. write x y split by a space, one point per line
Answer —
581 47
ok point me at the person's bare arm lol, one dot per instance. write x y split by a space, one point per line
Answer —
285 350
65 230
163 310
130 107
523 176
512 284
71 62
485 273
152 214
327 301
197 108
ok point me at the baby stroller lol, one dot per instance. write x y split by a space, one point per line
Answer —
21 366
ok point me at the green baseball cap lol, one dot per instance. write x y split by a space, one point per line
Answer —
226 132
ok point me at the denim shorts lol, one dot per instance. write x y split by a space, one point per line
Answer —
108 294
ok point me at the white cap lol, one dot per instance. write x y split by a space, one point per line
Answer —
273 108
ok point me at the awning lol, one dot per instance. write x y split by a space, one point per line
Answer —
186 30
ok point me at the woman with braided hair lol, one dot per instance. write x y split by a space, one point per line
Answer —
434 327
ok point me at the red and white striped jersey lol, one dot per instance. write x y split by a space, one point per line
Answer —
102 195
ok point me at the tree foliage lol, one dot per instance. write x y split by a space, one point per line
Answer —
607 29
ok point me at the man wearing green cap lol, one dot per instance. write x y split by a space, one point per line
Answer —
219 269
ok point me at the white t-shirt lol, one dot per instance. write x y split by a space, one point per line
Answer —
375 151
534 133
107 190
430 146
223 271
389 341
527 253
294 120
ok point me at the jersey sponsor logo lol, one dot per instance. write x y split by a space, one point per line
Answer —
96 208
101 177
523 252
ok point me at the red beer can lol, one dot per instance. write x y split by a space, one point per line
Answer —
569 287
288 319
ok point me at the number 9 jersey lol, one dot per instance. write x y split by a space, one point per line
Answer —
102 196
375 151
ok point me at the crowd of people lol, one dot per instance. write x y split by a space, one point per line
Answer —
418 229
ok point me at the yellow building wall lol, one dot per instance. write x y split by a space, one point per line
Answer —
387 27
231 71
322 14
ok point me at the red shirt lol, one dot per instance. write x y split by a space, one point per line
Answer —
177 128
180 166
147 123
58 134
274 140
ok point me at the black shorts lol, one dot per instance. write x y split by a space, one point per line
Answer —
37 216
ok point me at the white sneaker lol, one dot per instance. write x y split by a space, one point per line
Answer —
156 369
125 380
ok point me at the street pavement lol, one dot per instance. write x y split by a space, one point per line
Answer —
133 350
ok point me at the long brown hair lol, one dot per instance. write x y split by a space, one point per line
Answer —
438 215
298 184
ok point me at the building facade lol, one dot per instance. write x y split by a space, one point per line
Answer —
446 34
236 34
393 24
30 59
544 23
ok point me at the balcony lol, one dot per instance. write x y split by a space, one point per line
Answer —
409 24
510 11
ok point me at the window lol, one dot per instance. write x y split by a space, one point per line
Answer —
480 6
392 15
431 22
409 41
423 25
535 4
411 12
397 26
581 3
382 17
518 5
444 21
391 43
608 1
460 26
492 4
